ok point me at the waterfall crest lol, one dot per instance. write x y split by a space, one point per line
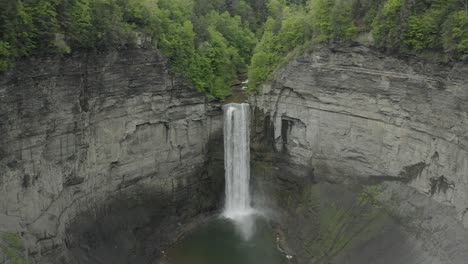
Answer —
237 165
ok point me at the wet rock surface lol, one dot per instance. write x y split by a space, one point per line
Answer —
100 152
365 156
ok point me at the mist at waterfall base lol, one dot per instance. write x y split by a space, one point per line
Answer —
240 235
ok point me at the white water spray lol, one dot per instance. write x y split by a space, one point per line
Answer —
237 167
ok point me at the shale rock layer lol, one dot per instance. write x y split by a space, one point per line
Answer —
82 132
355 117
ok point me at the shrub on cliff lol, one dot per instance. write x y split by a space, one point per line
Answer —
456 33
12 246
397 26
291 27
209 44
211 41
210 49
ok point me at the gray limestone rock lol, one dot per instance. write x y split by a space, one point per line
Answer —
355 117
81 132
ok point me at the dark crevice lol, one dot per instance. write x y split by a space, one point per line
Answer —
411 172
440 184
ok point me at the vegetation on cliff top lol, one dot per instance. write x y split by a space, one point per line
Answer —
207 41
211 41
11 245
395 26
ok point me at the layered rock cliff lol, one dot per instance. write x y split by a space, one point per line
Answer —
372 144
363 156
102 141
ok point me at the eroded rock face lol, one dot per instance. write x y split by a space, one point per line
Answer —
356 119
84 134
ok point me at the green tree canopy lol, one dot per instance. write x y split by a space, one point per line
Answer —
211 42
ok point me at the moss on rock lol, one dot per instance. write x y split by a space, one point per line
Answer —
11 245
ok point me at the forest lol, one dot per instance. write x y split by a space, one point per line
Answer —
211 42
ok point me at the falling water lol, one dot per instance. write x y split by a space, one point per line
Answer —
237 166
242 235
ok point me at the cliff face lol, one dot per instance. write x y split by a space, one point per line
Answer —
354 117
91 133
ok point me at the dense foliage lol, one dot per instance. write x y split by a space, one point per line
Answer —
398 26
211 41
206 41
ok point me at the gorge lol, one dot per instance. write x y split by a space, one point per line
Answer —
100 150
358 156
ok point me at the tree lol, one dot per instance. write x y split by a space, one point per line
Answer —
341 22
465 4
295 29
386 26
264 60
178 44
45 24
456 33
422 31
4 56
81 28
320 11
236 34
259 8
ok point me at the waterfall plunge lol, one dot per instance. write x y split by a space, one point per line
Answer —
237 167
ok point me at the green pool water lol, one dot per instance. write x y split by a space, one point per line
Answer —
221 242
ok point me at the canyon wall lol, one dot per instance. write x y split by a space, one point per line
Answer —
91 134
394 130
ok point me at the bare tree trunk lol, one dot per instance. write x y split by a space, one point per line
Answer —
465 4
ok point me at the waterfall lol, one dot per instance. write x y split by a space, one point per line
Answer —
237 166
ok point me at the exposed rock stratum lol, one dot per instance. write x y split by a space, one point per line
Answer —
371 152
98 149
